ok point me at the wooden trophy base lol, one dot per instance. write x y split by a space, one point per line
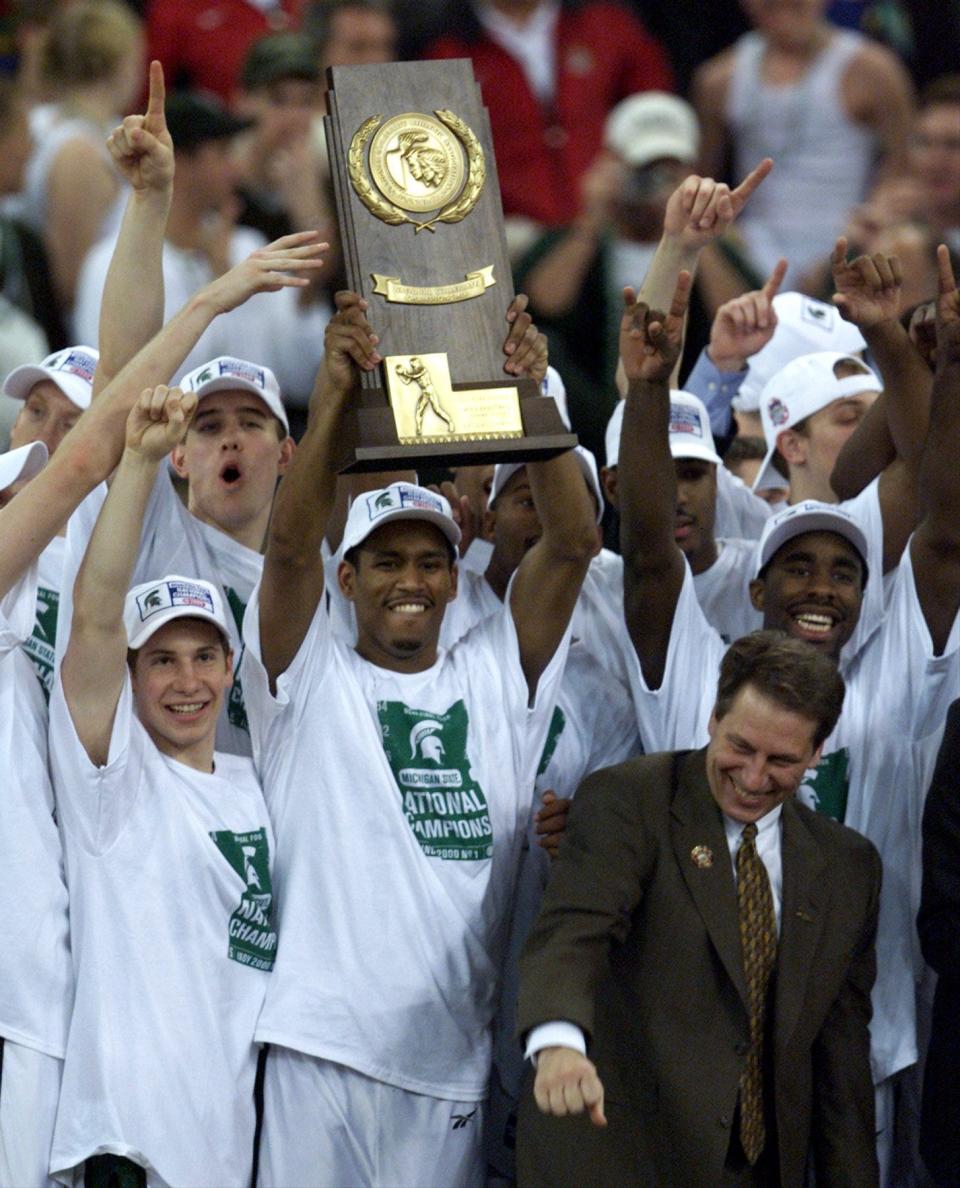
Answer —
372 443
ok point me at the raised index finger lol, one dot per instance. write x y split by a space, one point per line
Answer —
751 181
945 275
157 94
775 279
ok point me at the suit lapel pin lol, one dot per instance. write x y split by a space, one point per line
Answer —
802 915
702 856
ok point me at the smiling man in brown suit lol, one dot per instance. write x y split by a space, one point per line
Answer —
712 942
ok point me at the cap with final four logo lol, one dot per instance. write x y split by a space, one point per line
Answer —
151 605
399 501
71 369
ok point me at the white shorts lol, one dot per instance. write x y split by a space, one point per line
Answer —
328 1126
29 1091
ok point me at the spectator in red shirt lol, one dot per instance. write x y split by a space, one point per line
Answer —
550 73
202 43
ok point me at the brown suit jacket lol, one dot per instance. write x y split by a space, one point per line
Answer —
639 945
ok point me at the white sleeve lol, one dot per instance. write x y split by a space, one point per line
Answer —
488 657
675 716
865 507
913 688
18 609
265 709
94 803
560 1034
79 530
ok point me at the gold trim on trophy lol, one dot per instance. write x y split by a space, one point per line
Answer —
417 164
427 409
472 285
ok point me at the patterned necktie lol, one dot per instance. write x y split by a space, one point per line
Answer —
758 944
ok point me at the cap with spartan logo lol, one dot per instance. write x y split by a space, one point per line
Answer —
151 605
228 374
399 501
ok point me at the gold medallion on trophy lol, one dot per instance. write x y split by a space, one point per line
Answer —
417 163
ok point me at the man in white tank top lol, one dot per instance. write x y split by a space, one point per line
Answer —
825 103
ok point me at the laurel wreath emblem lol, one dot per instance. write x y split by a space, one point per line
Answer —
454 211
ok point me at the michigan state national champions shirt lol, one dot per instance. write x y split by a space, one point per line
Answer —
399 803
173 938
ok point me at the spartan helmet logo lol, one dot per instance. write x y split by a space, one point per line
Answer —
425 743
249 870
153 600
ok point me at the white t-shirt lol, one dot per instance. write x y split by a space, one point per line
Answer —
35 973
175 541
399 802
170 915
723 590
898 693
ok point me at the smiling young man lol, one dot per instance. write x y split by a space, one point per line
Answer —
713 941
400 777
808 578
167 846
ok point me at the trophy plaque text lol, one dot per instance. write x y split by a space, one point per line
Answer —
422 235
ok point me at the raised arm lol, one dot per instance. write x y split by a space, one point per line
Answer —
653 565
936 543
292 582
92 448
889 441
131 311
96 656
548 580
699 211
742 327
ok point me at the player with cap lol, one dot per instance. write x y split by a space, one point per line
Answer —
238 445
54 394
234 451
809 575
167 847
400 756
718 563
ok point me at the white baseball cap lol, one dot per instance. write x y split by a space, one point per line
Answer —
22 463
690 432
71 369
226 373
503 472
805 386
652 126
399 501
150 605
804 325
808 516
